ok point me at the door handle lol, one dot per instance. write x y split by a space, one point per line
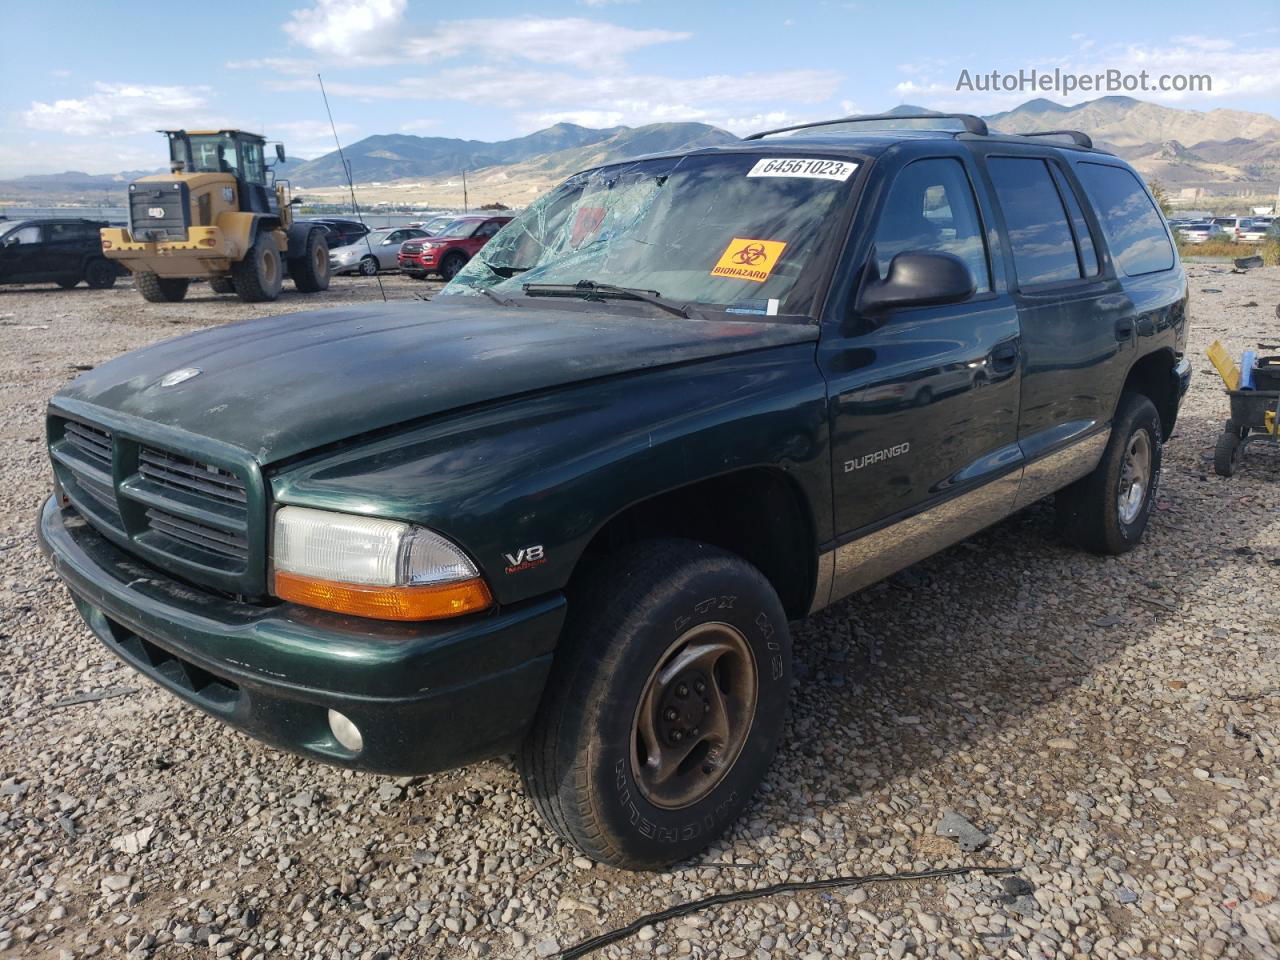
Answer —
1004 356
1124 328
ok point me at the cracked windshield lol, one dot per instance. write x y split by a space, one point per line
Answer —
740 233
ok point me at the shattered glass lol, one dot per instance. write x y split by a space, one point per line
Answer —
669 225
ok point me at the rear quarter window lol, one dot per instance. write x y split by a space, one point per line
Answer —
1133 225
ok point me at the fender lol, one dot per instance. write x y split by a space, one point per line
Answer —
298 235
241 228
524 483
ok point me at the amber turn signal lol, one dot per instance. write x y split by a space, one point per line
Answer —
423 602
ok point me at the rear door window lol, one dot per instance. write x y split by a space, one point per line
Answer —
1134 228
1044 250
930 208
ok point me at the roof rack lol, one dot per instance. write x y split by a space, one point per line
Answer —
971 123
1080 139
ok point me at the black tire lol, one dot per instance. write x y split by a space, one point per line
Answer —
68 283
1094 513
310 272
100 274
369 266
579 762
259 277
1226 454
451 264
222 285
161 289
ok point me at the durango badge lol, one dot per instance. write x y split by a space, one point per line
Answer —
746 259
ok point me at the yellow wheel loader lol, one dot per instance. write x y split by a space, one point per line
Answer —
219 215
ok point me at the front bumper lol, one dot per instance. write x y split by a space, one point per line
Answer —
425 696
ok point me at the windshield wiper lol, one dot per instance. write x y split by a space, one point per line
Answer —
590 290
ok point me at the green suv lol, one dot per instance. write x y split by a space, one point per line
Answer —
567 509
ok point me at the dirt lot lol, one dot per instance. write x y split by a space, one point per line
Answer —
1111 724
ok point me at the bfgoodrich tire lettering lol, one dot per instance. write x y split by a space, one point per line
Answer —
577 762
1090 511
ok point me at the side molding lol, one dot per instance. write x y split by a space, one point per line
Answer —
859 563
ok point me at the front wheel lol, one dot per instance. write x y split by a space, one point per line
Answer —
664 706
369 267
1107 511
100 274
451 264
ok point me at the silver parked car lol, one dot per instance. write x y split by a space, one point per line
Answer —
1201 233
380 250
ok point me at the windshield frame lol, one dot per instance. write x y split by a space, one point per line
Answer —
834 229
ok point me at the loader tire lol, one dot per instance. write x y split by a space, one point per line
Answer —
161 289
260 275
310 271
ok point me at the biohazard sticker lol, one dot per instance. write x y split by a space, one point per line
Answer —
746 259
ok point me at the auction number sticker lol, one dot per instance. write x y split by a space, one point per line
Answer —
811 168
747 259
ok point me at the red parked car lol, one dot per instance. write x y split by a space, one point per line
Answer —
448 251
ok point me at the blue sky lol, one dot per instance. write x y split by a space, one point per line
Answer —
87 83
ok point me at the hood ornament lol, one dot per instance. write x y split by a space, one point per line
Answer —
176 377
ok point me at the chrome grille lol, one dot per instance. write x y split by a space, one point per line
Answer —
233 546
190 476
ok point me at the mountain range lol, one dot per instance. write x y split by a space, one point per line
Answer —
1219 151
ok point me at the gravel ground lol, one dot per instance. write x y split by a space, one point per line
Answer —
1110 724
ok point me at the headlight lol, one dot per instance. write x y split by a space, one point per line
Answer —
371 567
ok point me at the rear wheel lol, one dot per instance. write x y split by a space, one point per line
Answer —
1226 455
100 274
260 275
664 706
451 264
1107 511
161 289
310 271
222 285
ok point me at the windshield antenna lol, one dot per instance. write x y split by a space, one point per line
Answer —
351 186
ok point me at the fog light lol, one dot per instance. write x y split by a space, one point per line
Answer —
345 732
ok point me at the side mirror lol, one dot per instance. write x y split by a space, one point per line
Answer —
280 152
917 279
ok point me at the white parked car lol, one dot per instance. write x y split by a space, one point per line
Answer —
379 250
1201 233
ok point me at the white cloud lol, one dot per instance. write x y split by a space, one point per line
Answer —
423 125
349 28
119 109
377 32
543 97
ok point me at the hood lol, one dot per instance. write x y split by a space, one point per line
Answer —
281 386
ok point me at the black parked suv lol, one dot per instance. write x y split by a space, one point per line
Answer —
55 250
567 509
340 232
